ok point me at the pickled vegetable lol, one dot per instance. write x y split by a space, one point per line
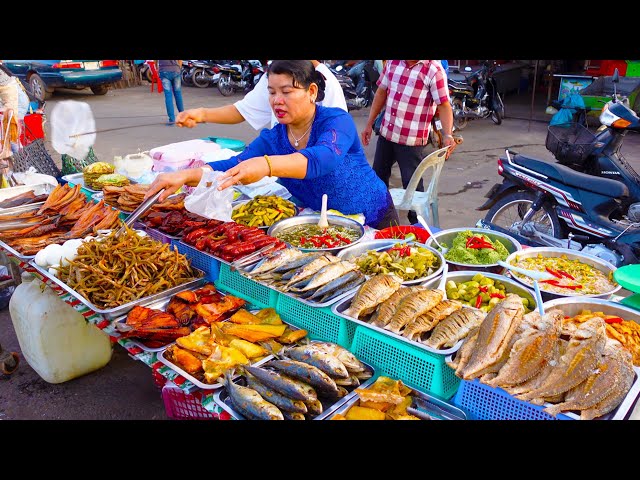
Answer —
480 292
263 211
409 262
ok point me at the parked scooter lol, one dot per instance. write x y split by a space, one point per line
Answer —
239 77
477 97
358 84
205 73
590 201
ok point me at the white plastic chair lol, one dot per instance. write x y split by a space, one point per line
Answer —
423 203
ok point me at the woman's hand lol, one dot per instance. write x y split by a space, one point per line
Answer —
190 118
247 171
173 181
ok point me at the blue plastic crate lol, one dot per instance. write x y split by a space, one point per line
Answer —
489 403
393 358
320 322
160 236
205 262
244 287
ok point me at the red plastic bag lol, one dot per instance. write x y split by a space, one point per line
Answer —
33 128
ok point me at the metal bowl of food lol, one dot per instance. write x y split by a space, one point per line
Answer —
316 239
352 253
262 211
461 277
446 237
594 275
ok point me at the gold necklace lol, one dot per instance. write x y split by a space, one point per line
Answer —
297 140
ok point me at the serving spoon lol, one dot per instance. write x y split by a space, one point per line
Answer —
443 250
323 223
529 273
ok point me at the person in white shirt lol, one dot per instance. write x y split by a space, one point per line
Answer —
255 107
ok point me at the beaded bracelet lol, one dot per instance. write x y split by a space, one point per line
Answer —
266 157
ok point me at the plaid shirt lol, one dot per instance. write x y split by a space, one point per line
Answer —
413 94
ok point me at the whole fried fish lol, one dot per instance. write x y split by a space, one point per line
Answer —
427 321
275 260
290 387
578 362
413 306
384 311
249 402
348 359
325 275
372 293
319 358
284 403
455 327
494 335
532 352
604 389
294 276
315 377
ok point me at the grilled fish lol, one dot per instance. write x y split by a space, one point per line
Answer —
383 313
372 293
427 321
336 283
359 279
275 260
413 306
315 377
249 402
319 358
532 352
326 274
300 273
348 359
294 389
456 326
582 356
284 403
494 335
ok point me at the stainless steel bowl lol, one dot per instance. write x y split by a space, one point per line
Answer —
602 265
351 252
334 220
511 286
575 306
237 204
447 236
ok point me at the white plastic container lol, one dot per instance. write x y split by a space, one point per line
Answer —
55 339
181 155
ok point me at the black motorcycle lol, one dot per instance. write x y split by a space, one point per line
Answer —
477 97
358 84
590 201
239 77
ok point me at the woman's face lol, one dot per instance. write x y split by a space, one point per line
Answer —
290 104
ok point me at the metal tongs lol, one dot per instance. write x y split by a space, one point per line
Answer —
251 258
138 212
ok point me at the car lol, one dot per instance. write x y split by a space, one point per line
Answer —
42 77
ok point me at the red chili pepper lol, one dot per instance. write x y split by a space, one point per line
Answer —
478 242
614 320
497 295
552 281
553 272
567 275
483 289
478 301
571 287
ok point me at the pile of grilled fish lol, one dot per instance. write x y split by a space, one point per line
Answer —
533 358
314 276
299 385
415 312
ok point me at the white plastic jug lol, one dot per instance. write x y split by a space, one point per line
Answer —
55 339
134 165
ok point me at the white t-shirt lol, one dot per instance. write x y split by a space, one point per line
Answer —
256 110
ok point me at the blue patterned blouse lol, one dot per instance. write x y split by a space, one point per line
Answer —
337 166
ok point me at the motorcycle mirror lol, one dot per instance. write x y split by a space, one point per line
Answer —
616 76
467 69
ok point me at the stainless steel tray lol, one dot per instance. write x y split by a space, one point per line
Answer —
78 179
37 189
602 265
340 307
428 406
351 253
221 397
510 284
574 306
159 305
15 253
19 209
115 312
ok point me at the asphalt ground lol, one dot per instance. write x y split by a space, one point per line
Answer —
124 388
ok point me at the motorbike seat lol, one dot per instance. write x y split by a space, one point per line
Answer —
584 181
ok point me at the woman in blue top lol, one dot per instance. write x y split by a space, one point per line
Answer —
313 150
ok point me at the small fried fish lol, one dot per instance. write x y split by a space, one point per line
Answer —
372 293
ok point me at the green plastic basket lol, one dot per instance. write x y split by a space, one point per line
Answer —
240 286
320 322
414 366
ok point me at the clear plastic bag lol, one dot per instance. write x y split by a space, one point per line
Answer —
207 200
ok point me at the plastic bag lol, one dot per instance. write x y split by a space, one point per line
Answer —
32 177
70 117
207 200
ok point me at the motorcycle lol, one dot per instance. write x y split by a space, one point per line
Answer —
477 97
358 84
205 73
243 76
186 71
588 201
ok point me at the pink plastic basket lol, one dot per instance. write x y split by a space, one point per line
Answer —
185 406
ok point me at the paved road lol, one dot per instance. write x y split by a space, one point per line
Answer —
124 389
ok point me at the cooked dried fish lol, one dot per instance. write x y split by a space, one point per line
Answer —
455 327
373 292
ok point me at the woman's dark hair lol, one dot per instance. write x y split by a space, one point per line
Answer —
302 72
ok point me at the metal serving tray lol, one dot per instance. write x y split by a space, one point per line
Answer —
340 307
351 253
221 397
426 406
15 253
115 312
78 179
597 263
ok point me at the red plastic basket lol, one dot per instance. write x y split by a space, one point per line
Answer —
185 406
401 230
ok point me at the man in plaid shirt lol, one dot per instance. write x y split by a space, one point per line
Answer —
410 91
